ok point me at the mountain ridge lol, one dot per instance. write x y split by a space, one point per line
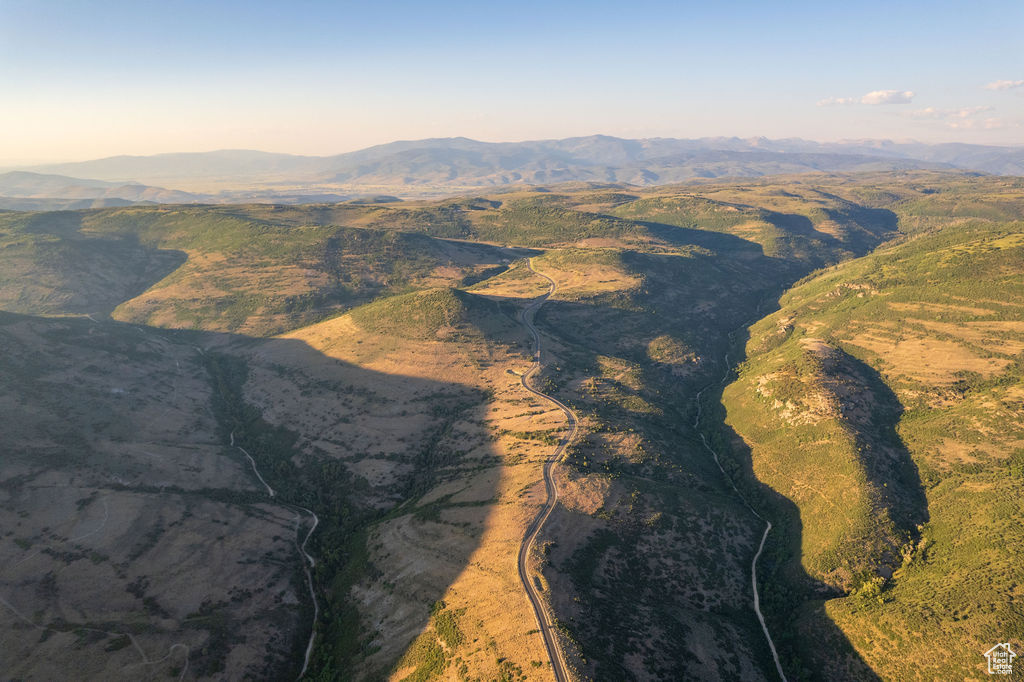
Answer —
460 162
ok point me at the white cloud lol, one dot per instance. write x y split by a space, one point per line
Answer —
984 124
964 118
948 114
1004 85
874 97
888 97
833 101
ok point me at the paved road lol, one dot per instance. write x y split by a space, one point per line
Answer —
544 619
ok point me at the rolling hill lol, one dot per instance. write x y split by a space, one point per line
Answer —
26 191
187 387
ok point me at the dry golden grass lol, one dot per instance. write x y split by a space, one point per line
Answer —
583 274
940 308
985 335
459 541
192 296
926 359
516 283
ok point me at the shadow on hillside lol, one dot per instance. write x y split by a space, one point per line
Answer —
93 272
873 411
607 601
861 229
810 645
60 223
433 552
797 224
352 418
721 242
883 219
657 585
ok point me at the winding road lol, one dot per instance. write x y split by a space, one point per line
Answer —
544 619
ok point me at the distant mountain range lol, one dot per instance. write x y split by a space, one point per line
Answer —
452 164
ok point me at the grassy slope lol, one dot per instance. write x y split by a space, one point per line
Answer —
932 344
230 273
48 267
650 283
430 314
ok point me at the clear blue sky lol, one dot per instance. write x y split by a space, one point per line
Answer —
88 79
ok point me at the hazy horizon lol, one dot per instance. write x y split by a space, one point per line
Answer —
14 164
314 78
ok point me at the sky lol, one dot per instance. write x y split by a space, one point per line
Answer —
81 80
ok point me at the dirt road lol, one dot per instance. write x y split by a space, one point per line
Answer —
767 529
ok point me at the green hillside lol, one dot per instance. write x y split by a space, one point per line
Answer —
430 314
882 400
206 268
